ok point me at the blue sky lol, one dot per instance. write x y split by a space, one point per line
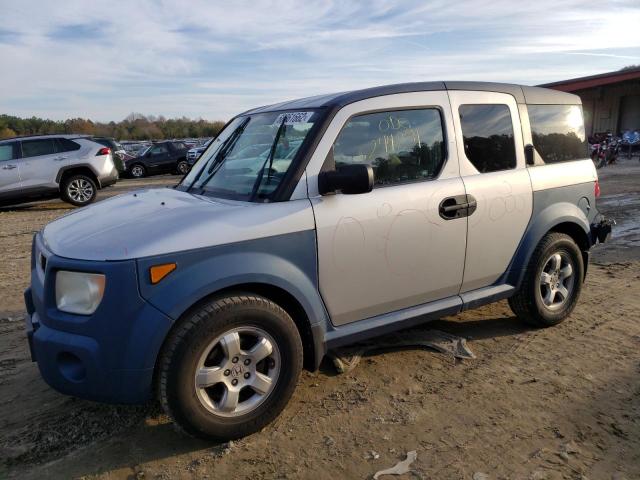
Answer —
211 59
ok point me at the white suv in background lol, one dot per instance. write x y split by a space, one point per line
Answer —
48 166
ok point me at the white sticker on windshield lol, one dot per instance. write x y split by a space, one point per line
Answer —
293 118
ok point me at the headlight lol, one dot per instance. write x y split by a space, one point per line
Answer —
78 292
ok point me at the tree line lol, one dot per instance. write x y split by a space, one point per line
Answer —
134 127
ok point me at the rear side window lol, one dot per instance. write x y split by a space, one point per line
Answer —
159 149
35 148
179 146
487 132
401 146
66 145
7 151
558 132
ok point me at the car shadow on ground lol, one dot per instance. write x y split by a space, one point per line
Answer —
481 328
476 329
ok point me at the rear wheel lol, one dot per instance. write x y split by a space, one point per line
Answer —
79 190
183 167
138 171
230 368
552 283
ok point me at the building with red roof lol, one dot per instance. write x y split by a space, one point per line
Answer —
611 101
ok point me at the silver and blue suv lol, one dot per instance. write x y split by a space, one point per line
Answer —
49 166
312 224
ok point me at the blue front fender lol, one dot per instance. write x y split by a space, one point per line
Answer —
285 261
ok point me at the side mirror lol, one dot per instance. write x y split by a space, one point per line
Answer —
349 179
529 154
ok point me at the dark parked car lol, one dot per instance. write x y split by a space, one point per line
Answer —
161 157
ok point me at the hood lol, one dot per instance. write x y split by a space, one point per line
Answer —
159 221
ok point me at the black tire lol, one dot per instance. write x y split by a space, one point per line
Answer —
191 339
528 303
598 162
78 190
138 170
183 167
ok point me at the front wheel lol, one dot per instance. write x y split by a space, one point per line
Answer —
552 283
79 190
230 367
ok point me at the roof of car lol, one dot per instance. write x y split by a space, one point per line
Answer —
37 137
522 94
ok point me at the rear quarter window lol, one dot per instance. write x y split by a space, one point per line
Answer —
66 145
558 132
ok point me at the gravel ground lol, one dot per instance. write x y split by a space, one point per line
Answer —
535 404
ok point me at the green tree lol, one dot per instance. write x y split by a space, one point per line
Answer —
135 126
6 132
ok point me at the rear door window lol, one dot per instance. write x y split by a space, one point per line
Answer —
8 151
36 148
487 132
558 132
159 149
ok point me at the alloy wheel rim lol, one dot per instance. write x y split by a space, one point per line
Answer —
136 171
182 167
237 371
80 190
557 280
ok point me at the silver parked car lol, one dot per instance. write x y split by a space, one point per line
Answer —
194 153
308 225
48 166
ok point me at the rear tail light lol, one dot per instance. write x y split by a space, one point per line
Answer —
103 151
597 189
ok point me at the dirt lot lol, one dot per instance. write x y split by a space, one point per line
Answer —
535 404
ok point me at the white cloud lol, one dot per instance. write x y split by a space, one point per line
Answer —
213 59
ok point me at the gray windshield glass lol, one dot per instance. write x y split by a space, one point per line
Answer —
248 160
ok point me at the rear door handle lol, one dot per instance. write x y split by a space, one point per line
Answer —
457 207
59 159
9 167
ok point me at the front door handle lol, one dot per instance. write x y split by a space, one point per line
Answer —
9 167
59 159
457 207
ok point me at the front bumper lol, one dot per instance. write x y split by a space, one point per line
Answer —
108 356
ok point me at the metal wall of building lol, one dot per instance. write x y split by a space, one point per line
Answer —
612 108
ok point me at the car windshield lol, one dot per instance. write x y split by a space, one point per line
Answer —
249 159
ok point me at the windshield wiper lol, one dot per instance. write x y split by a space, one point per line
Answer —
220 157
269 159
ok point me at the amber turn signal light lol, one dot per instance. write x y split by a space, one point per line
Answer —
158 272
